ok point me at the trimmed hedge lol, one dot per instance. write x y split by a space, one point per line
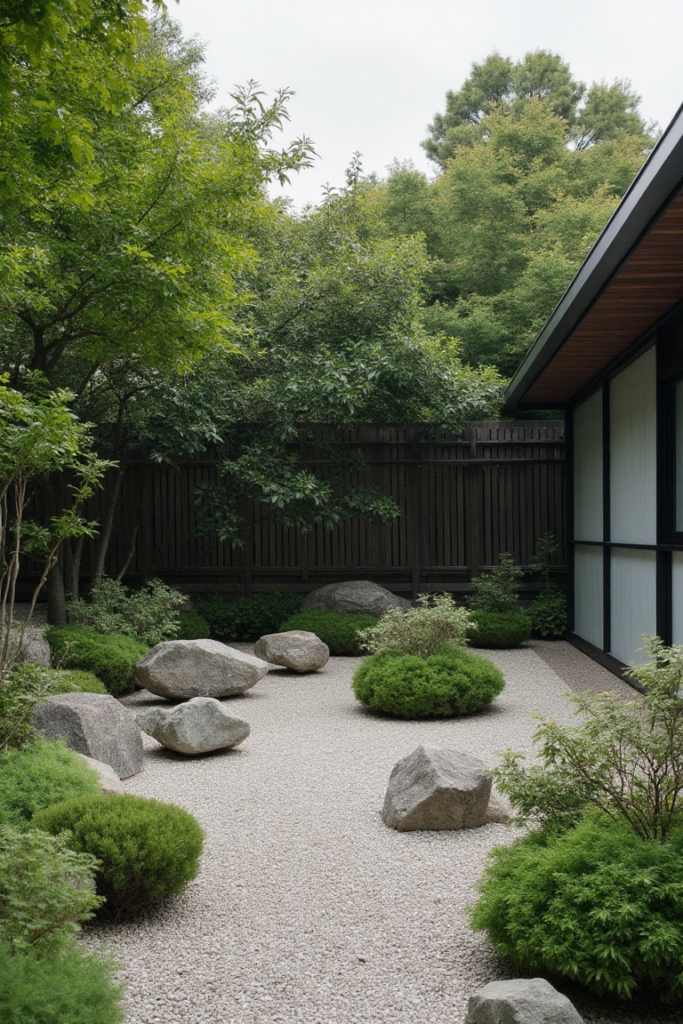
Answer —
452 682
75 680
74 987
339 630
112 658
596 904
193 626
248 618
146 849
42 774
499 629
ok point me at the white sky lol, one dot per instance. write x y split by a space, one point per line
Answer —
370 74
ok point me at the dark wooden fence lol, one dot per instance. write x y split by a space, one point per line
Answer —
461 503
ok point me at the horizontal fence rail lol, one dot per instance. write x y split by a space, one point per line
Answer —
461 504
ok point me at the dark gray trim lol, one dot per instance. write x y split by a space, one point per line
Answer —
608 661
655 185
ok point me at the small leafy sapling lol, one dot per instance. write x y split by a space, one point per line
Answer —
496 591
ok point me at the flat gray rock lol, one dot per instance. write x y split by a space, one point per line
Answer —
360 596
296 649
94 724
109 781
180 669
200 725
521 1001
437 788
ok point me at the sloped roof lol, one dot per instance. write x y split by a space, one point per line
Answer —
632 277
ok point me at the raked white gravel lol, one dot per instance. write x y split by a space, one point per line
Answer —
307 908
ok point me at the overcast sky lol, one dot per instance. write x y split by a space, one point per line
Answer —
370 74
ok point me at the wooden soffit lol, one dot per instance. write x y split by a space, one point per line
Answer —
646 287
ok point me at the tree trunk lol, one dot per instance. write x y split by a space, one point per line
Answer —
56 594
107 524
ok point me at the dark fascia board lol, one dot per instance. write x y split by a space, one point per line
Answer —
658 180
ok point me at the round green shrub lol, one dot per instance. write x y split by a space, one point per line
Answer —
596 904
75 680
44 773
73 987
339 630
112 658
146 849
193 626
499 629
452 682
248 618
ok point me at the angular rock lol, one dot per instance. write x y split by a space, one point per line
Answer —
499 810
106 776
296 649
354 596
180 669
94 724
521 1001
437 788
200 725
34 649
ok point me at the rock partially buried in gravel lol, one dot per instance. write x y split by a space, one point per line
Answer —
360 596
106 776
200 725
296 649
437 788
180 669
94 724
499 810
521 1001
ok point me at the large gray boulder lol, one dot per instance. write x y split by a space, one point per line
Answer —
355 596
180 669
94 724
437 788
200 725
296 649
32 649
521 1001
109 781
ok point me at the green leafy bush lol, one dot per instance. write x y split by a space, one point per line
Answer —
193 626
422 630
248 618
339 630
499 629
111 658
596 903
45 889
20 690
42 774
146 849
496 591
149 615
625 757
73 987
548 614
452 682
74 680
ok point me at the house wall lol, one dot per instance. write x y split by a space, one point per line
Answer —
627 503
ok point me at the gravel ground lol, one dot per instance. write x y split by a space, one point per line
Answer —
307 908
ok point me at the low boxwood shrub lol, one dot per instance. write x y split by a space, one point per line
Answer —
45 890
74 680
499 629
248 618
420 630
339 630
193 626
595 903
146 849
111 658
451 682
72 987
548 614
44 773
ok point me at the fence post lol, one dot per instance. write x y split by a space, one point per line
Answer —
414 505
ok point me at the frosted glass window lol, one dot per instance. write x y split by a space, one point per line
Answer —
633 452
587 433
679 455
588 593
677 597
634 601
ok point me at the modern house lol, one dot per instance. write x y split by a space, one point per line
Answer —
611 356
